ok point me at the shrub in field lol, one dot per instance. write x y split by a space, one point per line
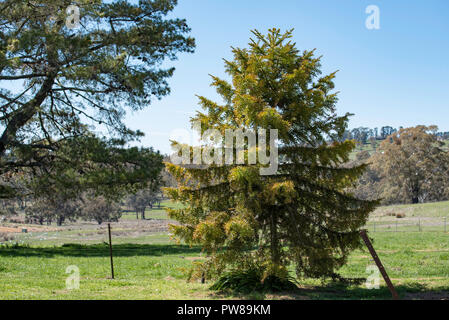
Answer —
7 208
100 210
145 197
49 209
253 279
4 237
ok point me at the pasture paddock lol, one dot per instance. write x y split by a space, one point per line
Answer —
148 265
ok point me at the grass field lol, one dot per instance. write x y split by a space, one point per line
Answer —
150 266
436 209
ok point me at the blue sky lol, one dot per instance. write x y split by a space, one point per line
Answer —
397 75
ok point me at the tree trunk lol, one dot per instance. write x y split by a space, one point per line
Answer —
274 245
143 214
415 192
60 220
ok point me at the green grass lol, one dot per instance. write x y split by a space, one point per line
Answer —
417 263
434 209
362 147
142 272
59 238
149 266
426 217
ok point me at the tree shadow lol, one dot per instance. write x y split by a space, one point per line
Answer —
98 250
342 291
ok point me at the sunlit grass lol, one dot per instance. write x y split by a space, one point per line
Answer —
417 262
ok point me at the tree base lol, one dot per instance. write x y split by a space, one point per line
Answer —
252 280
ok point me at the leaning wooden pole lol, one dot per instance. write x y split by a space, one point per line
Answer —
379 264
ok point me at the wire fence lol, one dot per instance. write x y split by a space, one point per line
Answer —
418 224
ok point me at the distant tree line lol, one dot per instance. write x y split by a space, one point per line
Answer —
364 135
58 208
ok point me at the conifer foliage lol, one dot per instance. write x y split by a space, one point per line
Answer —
302 216
69 72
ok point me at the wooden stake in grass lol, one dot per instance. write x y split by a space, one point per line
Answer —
379 264
110 251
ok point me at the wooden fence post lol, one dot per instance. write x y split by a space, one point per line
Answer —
110 251
379 264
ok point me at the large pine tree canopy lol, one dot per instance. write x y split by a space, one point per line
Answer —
303 215
65 73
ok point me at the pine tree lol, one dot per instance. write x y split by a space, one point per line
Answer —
72 69
303 215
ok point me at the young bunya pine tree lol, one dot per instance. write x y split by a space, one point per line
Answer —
302 215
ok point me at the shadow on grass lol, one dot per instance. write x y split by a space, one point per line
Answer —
97 250
339 291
